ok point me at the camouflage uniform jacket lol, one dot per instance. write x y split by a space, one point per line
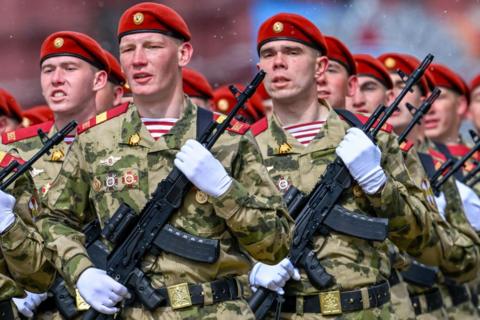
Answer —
23 263
126 165
352 261
27 142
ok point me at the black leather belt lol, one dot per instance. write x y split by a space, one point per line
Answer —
433 298
185 295
394 278
337 302
6 311
458 293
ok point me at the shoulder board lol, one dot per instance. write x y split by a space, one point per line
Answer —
458 150
102 117
235 125
6 158
387 127
259 126
25 133
406 145
437 156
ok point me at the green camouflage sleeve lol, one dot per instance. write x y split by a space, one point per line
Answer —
401 200
62 217
21 244
253 208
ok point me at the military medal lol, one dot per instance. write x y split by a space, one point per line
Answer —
96 184
57 155
111 181
45 188
283 184
201 197
134 139
129 179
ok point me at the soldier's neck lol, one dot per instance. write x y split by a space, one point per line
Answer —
84 114
162 105
300 112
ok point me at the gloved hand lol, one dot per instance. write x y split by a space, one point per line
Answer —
273 277
471 204
362 158
29 304
202 169
100 291
441 203
7 218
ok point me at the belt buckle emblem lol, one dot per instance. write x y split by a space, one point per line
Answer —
179 296
330 302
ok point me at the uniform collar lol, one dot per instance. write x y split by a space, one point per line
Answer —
134 132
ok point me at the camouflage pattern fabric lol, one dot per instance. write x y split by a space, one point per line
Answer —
127 164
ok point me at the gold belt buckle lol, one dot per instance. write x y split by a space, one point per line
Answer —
330 303
179 296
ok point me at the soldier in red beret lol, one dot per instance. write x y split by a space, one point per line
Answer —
10 112
340 80
112 93
119 159
298 140
374 85
73 68
197 87
474 107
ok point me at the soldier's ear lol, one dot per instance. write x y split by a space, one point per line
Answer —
352 85
462 107
185 51
100 80
321 65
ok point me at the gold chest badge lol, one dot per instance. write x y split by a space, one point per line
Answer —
57 155
134 139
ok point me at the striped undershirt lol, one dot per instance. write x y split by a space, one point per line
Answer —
68 139
159 126
305 132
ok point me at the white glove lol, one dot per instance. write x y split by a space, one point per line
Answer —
441 203
471 204
29 304
100 291
362 158
202 169
273 277
7 218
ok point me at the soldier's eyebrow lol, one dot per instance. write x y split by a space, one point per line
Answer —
369 83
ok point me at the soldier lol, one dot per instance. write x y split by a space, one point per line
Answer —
233 201
474 107
340 80
73 69
297 141
196 86
112 93
23 266
10 112
451 209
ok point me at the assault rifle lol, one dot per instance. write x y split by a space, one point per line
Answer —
322 200
440 177
139 232
418 113
48 143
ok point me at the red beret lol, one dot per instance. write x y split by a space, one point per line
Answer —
445 77
153 17
475 83
289 26
224 101
339 52
9 106
115 75
406 63
70 43
37 115
196 85
369 66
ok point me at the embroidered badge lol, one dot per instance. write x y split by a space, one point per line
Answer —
110 161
